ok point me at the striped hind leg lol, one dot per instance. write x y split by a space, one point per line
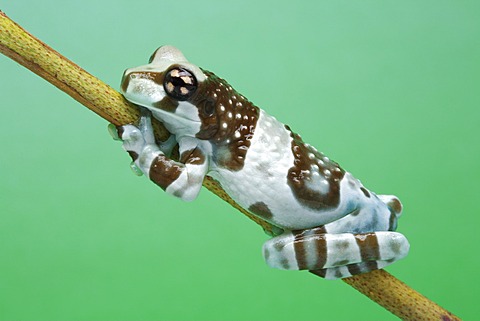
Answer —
334 256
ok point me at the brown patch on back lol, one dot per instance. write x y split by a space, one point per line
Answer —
300 174
163 172
261 209
228 120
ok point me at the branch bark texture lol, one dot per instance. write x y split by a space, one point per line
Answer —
22 47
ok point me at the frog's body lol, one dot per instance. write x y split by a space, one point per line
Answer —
332 223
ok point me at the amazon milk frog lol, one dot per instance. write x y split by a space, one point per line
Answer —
331 223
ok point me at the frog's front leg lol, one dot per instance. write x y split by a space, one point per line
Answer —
334 256
182 179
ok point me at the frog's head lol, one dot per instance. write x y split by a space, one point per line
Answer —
187 99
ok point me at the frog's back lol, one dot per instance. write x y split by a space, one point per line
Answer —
291 184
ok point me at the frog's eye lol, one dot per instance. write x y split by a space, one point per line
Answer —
179 83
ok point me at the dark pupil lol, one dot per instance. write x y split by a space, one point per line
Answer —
180 84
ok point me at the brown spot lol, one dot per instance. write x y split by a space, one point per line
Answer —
284 263
166 104
368 245
278 246
338 273
392 223
362 267
395 205
319 243
320 272
395 247
193 156
300 175
370 266
132 154
164 171
342 245
261 209
319 230
178 193
354 269
120 130
365 191
228 120
300 252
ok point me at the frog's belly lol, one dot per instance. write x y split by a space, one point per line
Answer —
262 187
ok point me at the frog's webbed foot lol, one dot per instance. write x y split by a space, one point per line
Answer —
335 256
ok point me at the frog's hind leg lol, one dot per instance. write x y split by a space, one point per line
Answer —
335 255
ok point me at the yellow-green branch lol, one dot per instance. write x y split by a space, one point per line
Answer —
19 45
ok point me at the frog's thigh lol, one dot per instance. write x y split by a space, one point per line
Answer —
308 250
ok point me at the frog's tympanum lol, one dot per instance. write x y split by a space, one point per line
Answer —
331 223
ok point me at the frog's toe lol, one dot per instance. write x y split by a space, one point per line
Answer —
132 137
113 131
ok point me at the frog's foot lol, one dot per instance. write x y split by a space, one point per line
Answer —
139 142
335 256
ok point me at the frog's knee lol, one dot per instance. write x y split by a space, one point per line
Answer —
279 252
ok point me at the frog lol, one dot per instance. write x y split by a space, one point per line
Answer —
327 221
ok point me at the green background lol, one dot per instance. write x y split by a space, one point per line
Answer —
389 89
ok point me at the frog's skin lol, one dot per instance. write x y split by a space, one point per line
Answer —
332 224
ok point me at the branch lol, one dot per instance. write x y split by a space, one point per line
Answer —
19 45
